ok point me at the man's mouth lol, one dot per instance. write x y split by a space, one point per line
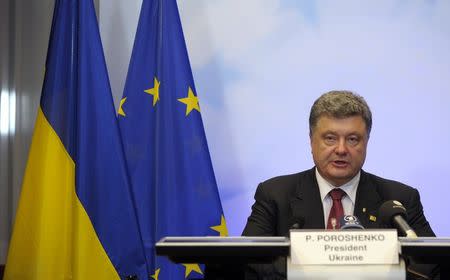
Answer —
340 163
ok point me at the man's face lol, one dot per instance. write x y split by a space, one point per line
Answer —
339 147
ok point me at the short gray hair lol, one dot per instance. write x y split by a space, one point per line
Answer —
340 104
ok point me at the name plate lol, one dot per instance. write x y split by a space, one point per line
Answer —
312 247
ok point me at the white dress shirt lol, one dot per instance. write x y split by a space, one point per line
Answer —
348 201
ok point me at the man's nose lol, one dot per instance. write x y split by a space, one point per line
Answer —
341 147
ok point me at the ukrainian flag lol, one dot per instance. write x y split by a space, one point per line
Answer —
76 217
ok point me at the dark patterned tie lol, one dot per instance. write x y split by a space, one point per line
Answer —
337 211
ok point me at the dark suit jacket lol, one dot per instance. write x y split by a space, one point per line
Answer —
280 201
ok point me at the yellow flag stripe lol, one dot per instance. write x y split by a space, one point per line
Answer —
53 237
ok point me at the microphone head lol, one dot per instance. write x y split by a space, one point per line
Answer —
350 222
390 209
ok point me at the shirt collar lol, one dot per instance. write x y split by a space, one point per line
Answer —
349 188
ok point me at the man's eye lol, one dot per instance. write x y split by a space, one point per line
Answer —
353 140
330 139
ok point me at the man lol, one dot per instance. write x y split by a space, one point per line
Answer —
340 123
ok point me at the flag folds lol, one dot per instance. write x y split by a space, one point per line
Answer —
76 217
165 145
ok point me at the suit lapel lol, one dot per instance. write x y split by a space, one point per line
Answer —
307 203
367 202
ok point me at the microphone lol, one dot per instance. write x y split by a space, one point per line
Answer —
296 222
350 222
393 213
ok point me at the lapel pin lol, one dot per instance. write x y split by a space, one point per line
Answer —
372 218
364 210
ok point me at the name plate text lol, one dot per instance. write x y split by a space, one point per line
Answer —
344 247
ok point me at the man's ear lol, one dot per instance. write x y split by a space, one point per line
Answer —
310 136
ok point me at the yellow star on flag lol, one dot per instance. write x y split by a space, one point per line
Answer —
191 267
121 111
156 275
222 228
154 91
191 102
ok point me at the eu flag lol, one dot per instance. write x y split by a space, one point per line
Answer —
165 145
76 216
